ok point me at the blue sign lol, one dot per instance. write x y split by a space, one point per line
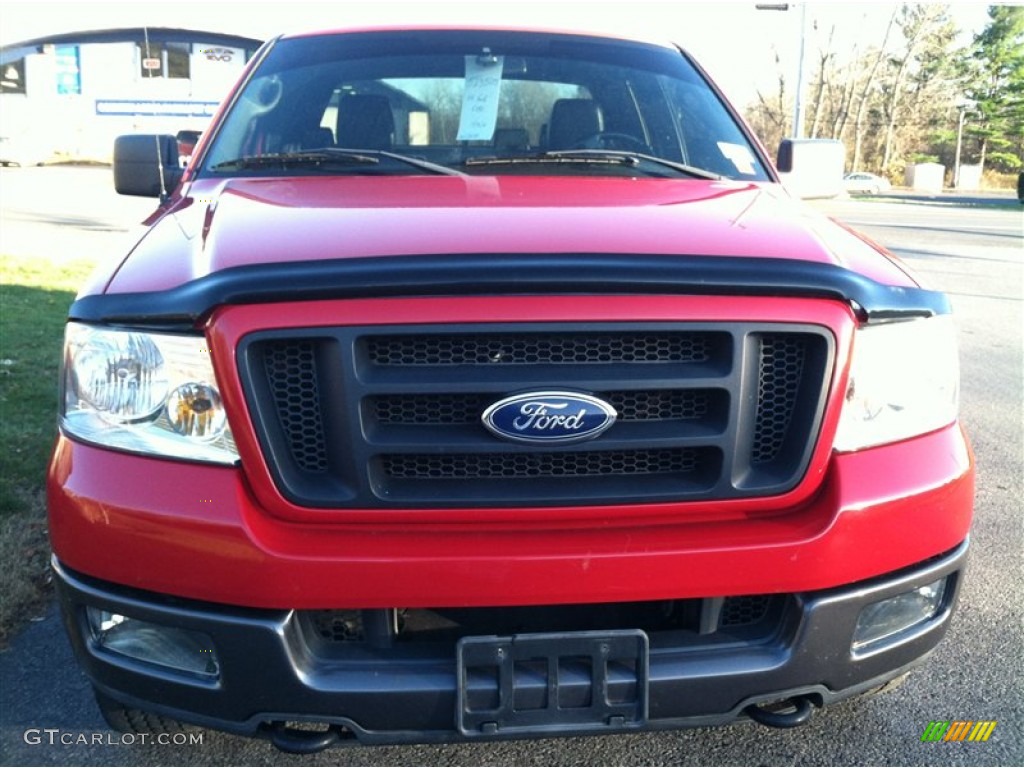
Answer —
144 107
69 70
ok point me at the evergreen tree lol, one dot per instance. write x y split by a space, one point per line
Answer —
996 89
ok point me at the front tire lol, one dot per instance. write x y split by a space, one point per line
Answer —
888 686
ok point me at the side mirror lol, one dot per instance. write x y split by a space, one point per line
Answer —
138 162
784 160
812 167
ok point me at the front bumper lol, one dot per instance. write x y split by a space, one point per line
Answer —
197 532
270 671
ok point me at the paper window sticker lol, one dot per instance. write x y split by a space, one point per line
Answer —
739 155
480 97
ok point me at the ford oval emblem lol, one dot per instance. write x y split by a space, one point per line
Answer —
549 417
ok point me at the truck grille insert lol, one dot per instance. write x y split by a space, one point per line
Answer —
656 405
523 465
780 374
294 381
365 417
536 349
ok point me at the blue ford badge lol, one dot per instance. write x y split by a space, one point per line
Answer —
549 417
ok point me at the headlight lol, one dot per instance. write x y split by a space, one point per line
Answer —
904 381
146 392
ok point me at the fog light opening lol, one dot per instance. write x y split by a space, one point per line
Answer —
884 622
183 650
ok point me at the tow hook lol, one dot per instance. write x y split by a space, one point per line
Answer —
298 741
787 713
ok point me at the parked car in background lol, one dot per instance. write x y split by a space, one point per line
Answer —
861 183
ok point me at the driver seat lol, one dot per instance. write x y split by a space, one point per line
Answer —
365 122
573 121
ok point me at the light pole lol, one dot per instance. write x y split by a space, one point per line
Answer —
959 142
798 108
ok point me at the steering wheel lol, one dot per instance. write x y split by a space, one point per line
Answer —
612 140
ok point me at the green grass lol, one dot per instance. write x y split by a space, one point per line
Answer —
34 298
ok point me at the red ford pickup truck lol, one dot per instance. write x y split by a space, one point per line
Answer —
478 384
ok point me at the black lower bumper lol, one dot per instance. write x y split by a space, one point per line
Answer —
270 671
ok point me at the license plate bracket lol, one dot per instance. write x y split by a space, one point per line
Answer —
552 682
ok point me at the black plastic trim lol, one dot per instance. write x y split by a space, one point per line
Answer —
262 652
516 274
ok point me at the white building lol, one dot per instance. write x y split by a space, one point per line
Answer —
68 96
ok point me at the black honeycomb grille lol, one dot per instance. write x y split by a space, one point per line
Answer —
744 610
660 405
291 370
631 406
536 349
370 417
475 466
781 372
338 626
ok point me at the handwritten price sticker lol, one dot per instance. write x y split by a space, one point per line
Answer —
480 98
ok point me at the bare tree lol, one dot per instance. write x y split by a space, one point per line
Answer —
768 117
869 82
899 102
841 112
918 23
825 56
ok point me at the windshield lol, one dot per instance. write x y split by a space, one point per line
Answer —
481 102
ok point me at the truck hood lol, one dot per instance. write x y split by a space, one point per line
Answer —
218 225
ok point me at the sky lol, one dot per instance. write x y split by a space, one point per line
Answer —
733 40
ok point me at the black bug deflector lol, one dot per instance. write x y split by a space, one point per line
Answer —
488 274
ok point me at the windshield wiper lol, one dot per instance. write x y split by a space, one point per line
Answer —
637 158
596 156
330 156
548 158
312 157
416 162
